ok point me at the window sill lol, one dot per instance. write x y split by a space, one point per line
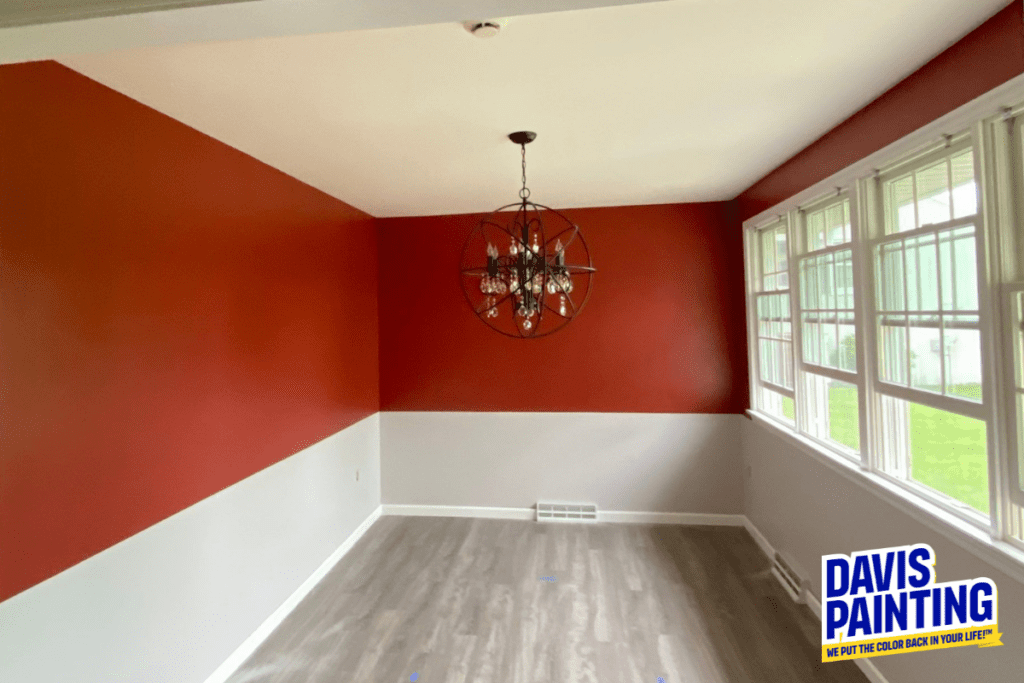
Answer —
977 541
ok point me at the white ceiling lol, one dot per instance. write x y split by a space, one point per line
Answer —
20 13
47 29
688 100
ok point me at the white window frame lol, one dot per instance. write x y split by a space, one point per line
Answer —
1014 392
752 247
982 411
1006 206
999 176
799 253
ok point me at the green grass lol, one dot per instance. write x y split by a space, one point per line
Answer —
948 452
843 423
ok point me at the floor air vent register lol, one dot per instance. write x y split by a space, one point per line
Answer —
789 577
566 512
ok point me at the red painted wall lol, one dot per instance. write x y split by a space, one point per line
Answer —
175 317
662 332
988 56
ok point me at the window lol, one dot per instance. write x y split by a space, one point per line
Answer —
929 331
829 226
934 192
826 304
889 320
828 330
832 411
775 258
775 324
928 322
937 450
775 353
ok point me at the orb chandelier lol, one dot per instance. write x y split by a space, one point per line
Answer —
523 277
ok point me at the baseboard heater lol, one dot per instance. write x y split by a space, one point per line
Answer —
795 585
566 512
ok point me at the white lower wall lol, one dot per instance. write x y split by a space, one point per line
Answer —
807 509
621 461
171 603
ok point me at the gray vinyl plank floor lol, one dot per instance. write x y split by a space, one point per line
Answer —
453 600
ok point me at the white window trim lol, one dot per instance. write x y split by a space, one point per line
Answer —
1005 165
752 247
1009 392
952 145
798 240
985 538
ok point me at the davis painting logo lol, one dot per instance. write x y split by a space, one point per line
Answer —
886 602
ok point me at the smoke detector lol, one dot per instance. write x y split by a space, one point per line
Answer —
483 29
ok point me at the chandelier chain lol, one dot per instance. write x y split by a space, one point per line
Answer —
525 192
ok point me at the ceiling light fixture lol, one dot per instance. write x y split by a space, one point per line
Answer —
541 280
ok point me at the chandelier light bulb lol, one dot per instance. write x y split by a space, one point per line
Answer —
564 283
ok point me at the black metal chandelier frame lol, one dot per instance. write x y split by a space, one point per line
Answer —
529 273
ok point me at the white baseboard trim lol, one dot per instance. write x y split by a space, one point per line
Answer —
529 514
813 602
680 518
459 511
231 664
759 538
866 666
